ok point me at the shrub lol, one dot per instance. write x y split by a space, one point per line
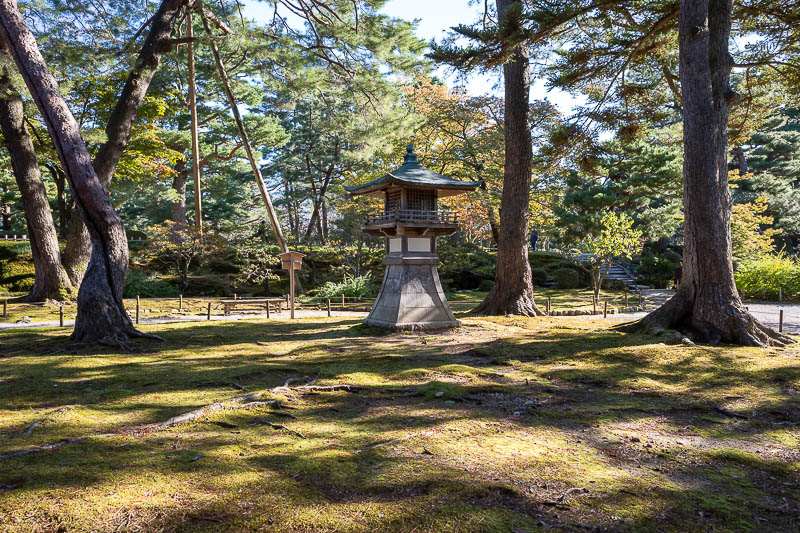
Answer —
566 278
148 286
762 278
544 260
486 285
539 275
17 273
659 269
353 287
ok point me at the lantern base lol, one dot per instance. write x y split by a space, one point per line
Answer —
411 298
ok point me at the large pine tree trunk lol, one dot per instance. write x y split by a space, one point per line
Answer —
118 129
513 284
50 280
101 314
707 304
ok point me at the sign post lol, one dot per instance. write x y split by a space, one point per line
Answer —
291 261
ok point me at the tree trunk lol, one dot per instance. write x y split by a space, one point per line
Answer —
707 305
118 128
61 197
741 160
324 221
179 184
101 314
513 284
50 279
318 201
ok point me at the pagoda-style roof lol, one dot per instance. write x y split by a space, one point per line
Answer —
412 174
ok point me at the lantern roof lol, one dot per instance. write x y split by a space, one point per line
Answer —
412 174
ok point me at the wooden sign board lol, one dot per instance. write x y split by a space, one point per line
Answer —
287 258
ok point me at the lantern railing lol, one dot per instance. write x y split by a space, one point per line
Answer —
412 216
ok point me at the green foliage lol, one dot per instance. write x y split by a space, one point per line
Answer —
751 234
566 278
539 275
148 285
16 267
763 277
545 260
658 269
617 238
350 286
459 257
486 285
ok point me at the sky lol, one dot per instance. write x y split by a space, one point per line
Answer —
434 18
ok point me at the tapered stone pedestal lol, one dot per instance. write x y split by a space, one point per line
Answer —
411 296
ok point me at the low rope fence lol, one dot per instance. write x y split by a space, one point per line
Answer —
781 315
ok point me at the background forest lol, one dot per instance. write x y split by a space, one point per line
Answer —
331 98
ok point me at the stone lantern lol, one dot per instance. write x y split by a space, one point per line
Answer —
411 296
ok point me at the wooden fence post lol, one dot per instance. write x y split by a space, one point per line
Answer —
180 302
549 305
5 308
329 307
780 321
605 309
208 312
267 308
61 315
137 308
342 302
626 299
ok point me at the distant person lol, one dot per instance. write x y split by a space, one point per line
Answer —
534 240
678 276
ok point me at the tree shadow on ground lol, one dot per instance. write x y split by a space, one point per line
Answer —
573 430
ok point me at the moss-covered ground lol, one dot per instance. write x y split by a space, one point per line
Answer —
507 424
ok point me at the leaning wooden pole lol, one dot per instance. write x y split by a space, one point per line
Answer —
243 134
198 202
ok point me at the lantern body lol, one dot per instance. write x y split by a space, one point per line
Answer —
411 296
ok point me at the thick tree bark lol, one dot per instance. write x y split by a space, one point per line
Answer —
707 305
179 185
513 284
101 314
50 281
61 197
118 129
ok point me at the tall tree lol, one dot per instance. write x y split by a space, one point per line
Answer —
513 287
707 301
50 280
118 127
101 316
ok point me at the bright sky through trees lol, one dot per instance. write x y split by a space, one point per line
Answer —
434 19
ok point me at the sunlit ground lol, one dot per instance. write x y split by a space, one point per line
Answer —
503 425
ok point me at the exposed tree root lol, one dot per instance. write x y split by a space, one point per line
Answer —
52 446
279 426
386 443
709 321
240 402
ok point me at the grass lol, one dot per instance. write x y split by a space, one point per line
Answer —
483 429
